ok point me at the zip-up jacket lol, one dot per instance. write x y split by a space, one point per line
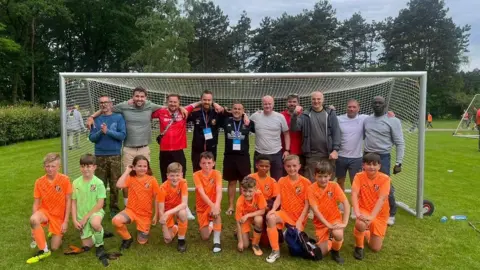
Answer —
333 134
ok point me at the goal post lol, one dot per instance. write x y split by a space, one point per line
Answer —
467 126
405 93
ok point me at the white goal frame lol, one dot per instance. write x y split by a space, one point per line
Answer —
473 136
421 75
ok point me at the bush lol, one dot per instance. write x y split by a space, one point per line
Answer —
27 123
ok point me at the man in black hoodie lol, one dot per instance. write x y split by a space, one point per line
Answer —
321 136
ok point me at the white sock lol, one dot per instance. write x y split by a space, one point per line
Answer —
46 248
125 201
216 237
181 237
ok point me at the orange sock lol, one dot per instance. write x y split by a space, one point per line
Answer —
39 237
182 229
337 245
217 227
256 237
273 238
121 229
367 236
359 238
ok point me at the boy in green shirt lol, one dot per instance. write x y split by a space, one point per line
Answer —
87 206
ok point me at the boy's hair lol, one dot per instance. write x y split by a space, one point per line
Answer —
87 159
291 157
262 157
136 160
51 157
248 182
140 89
206 155
174 167
324 167
370 158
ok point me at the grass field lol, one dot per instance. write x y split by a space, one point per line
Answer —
410 244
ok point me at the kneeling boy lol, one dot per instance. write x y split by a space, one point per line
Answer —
370 190
249 211
323 197
172 202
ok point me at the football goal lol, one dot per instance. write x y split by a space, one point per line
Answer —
405 93
467 125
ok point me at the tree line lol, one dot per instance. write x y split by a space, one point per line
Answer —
40 38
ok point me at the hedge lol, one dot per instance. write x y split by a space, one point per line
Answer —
27 123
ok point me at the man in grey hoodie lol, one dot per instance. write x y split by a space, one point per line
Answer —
321 136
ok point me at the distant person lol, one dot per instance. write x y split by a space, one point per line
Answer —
465 119
478 125
429 120
74 127
381 134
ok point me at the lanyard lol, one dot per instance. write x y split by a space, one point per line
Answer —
205 118
237 130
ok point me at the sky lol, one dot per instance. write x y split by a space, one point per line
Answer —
462 12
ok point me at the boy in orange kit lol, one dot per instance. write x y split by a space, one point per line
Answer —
142 190
370 190
208 189
51 206
172 202
294 204
249 211
266 184
323 197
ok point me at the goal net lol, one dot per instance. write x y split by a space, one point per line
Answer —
401 90
467 126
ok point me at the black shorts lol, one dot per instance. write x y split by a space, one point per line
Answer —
236 167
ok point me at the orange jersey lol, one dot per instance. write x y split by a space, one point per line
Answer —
53 194
245 207
172 196
326 201
209 184
293 195
429 118
141 194
268 186
369 190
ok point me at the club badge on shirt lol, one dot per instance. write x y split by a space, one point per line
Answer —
58 188
330 194
376 187
93 187
298 190
147 185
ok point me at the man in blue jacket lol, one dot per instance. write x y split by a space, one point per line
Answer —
108 134
321 136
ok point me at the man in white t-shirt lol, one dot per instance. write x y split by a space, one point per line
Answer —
351 148
269 125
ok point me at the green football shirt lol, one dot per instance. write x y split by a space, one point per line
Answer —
87 193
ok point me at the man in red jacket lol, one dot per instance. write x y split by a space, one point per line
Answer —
295 136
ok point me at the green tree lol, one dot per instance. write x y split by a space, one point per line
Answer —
241 40
353 36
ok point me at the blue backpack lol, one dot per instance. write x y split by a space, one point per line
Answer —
300 245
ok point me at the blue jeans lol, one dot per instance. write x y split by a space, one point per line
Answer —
276 164
385 162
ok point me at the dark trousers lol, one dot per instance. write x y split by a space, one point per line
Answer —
276 164
109 169
385 162
167 157
196 159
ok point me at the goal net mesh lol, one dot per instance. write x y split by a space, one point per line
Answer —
467 126
402 95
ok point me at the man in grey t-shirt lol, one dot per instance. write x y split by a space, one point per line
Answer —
269 125
321 133
381 133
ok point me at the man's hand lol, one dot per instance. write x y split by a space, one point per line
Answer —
390 114
298 110
90 123
333 155
184 112
246 120
240 246
218 108
285 154
65 227
215 211
104 128
338 226
130 102
397 169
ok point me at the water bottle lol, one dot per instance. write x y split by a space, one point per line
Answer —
459 217
443 219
